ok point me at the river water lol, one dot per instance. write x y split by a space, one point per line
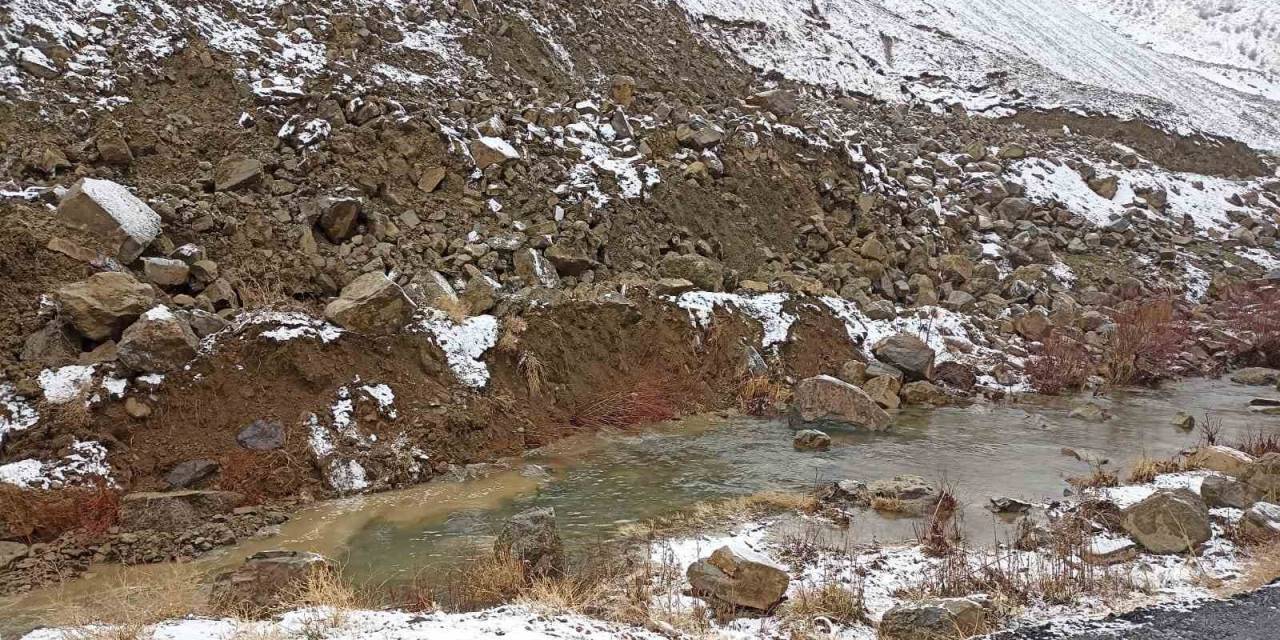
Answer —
601 482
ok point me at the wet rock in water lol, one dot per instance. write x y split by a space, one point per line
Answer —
1184 421
923 392
740 578
123 224
845 491
1008 505
265 580
908 354
933 619
906 488
884 390
1261 522
705 274
262 435
1256 376
11 552
174 511
811 440
371 304
101 306
1263 477
827 400
1168 521
1089 412
531 538
190 474
158 342
1222 459
1219 491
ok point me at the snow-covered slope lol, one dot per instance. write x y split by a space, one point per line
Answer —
991 55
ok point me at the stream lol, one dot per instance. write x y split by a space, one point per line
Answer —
601 482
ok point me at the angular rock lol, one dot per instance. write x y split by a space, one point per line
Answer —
923 392
114 150
884 390
1261 522
535 269
339 217
569 261
811 440
371 304
190 474
956 375
933 619
431 179
265 580
824 399
166 272
1089 412
174 511
622 90
236 173
699 134
531 538
1218 491
1226 460
739 578
1263 478
262 435
908 354
488 151
11 552
1184 421
100 307
158 342
123 224
705 274
1168 521
780 102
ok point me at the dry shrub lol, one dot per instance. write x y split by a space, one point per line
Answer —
1210 429
644 401
761 396
1258 444
41 515
1146 469
1063 364
810 604
941 532
1147 339
261 475
530 366
1253 312
264 291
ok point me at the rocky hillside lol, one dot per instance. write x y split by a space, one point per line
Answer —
380 239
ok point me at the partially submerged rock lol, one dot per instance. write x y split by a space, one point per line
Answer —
828 400
811 440
1089 412
933 619
265 581
1168 521
1256 376
738 578
531 538
371 304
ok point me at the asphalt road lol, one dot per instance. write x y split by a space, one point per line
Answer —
1253 616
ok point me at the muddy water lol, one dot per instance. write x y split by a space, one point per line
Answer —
599 483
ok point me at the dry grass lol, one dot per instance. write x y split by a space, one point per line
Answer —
264 291
126 607
707 515
1146 469
487 581
761 396
529 366
454 308
1063 364
1145 344
1254 311
261 475
1099 478
39 515
1261 567
644 402
887 504
812 606
513 329
1258 444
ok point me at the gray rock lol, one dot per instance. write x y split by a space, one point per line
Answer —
1219 491
11 552
933 619
262 435
1168 521
1222 459
166 272
158 342
1089 412
1263 478
780 102
811 440
907 353
1009 505
1261 522
535 269
1256 376
531 538
705 274
190 474
739 578
371 304
824 399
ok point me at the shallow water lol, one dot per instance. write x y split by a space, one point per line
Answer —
598 483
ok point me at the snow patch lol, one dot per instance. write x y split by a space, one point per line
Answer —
65 384
464 343
767 309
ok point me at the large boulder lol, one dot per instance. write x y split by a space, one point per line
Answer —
933 619
1221 491
123 224
371 304
531 538
705 274
908 354
739 578
824 399
884 390
265 581
1216 457
1263 478
1168 521
1256 376
1261 522
101 306
158 342
174 511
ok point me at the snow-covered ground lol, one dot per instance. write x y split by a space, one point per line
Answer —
993 56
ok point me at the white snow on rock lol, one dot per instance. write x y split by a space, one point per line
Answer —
16 413
135 218
990 55
384 396
65 384
289 325
1129 495
1260 257
464 343
764 308
87 461
600 155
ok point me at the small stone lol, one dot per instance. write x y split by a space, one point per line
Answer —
236 173
189 474
262 435
166 272
431 179
136 408
488 151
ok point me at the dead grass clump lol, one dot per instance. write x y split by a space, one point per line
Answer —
811 608
1063 364
888 504
453 307
1258 444
261 475
42 515
513 329
706 515
646 401
1254 312
1262 567
1145 344
941 533
486 582
264 291
1100 477
128 605
530 366
1146 469
761 396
